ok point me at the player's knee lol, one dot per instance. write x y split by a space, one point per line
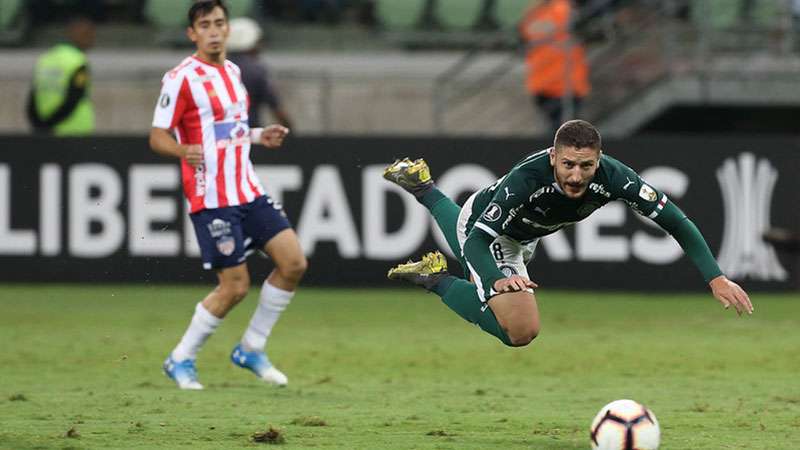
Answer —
294 268
522 335
236 290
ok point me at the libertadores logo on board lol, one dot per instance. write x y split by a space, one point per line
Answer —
747 185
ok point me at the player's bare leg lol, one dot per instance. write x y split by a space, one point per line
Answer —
208 314
233 284
276 293
290 262
518 315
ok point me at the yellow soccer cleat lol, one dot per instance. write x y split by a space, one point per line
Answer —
425 272
413 176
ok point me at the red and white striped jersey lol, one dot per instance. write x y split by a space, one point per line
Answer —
206 104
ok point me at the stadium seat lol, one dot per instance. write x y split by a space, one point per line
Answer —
400 14
171 14
239 8
459 14
166 14
13 22
510 12
9 10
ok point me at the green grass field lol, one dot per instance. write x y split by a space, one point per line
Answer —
394 369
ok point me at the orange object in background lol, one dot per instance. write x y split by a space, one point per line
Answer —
553 60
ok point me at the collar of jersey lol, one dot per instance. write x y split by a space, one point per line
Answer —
197 58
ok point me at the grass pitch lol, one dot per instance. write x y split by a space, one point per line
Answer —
381 369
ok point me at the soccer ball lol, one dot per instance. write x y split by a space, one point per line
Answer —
625 425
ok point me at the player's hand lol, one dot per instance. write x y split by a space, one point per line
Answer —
731 294
514 283
273 135
192 153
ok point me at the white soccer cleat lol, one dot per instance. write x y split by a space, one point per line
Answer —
258 363
273 376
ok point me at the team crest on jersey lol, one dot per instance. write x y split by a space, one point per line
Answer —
226 245
493 212
648 193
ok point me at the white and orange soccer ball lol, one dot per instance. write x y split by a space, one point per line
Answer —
625 425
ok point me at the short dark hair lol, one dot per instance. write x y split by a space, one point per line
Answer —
578 134
201 8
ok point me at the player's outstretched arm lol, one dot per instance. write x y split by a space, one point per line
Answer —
685 232
271 136
731 294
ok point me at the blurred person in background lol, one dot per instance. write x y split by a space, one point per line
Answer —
558 75
59 102
201 118
243 45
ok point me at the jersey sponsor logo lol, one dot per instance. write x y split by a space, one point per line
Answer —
200 180
219 228
633 206
493 212
231 133
226 245
508 193
540 191
164 100
599 189
203 79
648 193
541 211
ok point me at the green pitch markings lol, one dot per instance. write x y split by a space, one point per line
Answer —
80 367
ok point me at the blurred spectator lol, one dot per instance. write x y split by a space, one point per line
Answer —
59 102
243 45
558 75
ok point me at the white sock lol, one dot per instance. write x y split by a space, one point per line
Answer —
202 326
271 304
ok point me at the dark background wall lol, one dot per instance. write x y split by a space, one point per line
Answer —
107 209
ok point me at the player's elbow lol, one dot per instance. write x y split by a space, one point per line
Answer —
153 141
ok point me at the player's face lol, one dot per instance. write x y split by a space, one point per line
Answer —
210 32
574 168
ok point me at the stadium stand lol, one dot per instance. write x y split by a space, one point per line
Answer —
400 14
13 21
509 12
170 15
459 14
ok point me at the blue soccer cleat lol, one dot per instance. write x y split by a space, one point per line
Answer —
258 363
184 373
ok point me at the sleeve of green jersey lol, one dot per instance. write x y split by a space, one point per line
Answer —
648 201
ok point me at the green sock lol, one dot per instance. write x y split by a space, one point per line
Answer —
445 212
461 296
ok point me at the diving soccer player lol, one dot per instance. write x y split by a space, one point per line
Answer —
204 103
497 229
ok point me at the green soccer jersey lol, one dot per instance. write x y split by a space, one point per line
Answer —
527 203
